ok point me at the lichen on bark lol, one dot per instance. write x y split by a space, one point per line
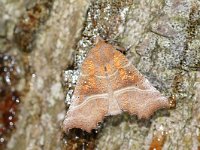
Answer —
163 43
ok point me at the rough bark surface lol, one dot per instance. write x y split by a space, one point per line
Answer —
165 47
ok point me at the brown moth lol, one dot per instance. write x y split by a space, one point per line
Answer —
109 85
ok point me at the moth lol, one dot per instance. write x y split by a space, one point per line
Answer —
108 85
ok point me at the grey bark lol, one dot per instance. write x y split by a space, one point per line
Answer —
165 47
